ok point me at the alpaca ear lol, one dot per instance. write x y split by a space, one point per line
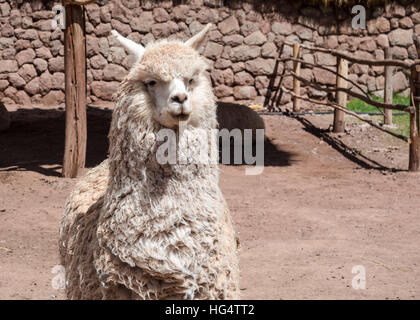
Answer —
197 41
133 48
138 73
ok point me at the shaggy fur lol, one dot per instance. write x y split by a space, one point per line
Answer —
137 229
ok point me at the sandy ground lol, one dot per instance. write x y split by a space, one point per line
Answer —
317 210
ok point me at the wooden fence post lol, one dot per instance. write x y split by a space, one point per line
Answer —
413 164
296 82
388 87
270 87
341 97
75 89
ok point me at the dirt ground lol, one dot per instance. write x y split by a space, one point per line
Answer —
323 205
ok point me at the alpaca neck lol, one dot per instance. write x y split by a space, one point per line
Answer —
162 219
180 155
147 201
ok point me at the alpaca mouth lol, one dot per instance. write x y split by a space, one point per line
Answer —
181 116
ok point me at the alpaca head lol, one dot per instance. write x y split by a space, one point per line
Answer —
171 74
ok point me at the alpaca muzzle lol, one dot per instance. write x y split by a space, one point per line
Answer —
181 112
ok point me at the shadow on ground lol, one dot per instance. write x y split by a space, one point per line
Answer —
350 153
35 141
273 155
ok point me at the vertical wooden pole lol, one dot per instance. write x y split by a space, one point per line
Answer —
388 87
270 88
75 89
296 82
413 164
341 97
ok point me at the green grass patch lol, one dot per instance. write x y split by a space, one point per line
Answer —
402 121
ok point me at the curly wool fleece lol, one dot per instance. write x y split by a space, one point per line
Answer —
136 229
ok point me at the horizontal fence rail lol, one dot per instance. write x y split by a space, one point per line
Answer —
275 92
370 62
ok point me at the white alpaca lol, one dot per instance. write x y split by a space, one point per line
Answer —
134 228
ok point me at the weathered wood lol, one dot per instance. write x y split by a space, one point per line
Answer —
345 110
272 100
271 86
413 109
388 87
396 63
75 89
277 98
413 163
327 69
414 158
356 95
296 82
341 97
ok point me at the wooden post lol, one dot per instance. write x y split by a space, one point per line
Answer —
413 164
388 87
341 97
75 89
296 82
270 87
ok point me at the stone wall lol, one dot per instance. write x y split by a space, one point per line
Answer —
242 45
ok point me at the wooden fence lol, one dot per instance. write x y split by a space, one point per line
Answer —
275 92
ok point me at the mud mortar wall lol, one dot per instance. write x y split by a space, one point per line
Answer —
242 45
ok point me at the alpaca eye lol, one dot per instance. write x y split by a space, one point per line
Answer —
151 83
190 81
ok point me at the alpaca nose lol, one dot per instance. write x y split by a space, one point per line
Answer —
179 97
